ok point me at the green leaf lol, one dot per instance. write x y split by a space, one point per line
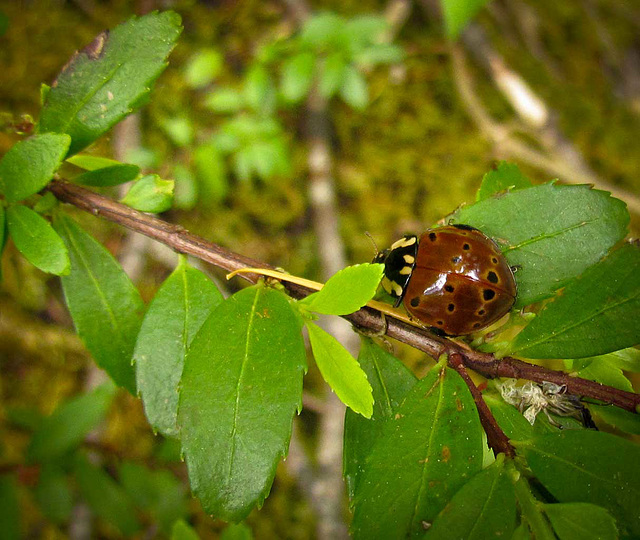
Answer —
224 100
581 520
211 172
105 306
259 92
109 176
458 13
595 314
29 165
297 76
592 467
504 177
239 531
67 427
203 67
150 194
105 497
4 23
3 234
363 30
322 31
37 241
380 53
173 318
510 420
53 494
179 129
551 232
429 449
91 163
9 508
341 371
44 205
332 74
354 90
241 385
183 531
158 492
390 381
531 510
346 291
625 359
110 78
185 191
485 507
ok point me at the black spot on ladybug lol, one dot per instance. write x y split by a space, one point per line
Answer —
451 307
415 301
494 260
448 288
488 294
466 247
432 236
440 323
481 312
476 325
492 277
456 259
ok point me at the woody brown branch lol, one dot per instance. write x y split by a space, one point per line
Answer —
486 364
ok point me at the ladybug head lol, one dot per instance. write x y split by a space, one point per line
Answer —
399 261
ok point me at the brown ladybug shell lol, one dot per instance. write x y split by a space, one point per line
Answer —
460 283
453 278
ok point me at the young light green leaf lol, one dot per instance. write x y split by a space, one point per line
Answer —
347 291
332 74
551 232
91 163
109 176
429 449
173 318
297 76
203 67
341 371
239 531
504 177
581 520
458 13
37 241
150 194
53 494
379 53
179 129
510 420
105 306
259 91
390 381
485 507
66 428
596 314
224 101
185 191
211 172
354 90
592 467
323 30
29 165
183 531
625 359
9 507
241 385
105 497
109 78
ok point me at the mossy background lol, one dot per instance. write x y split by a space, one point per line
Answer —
408 159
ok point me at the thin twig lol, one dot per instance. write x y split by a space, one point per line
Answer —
422 339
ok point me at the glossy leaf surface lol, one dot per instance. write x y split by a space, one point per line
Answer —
108 176
581 520
595 314
592 467
150 194
29 165
105 306
341 371
551 232
109 78
241 385
173 318
37 241
429 450
505 177
390 381
485 507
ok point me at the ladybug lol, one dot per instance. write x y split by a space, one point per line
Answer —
453 278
